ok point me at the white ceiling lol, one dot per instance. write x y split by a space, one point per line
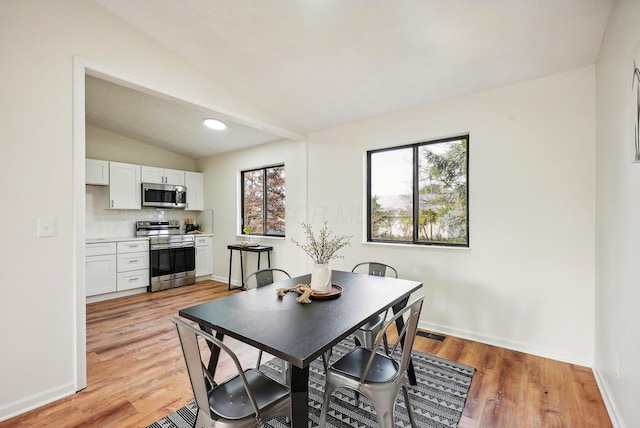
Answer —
323 63
164 122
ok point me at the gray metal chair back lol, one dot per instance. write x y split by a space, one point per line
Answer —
376 268
366 333
265 277
247 399
261 278
378 376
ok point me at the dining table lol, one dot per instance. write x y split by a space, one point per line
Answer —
295 332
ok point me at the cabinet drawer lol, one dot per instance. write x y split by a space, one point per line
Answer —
133 246
133 261
100 249
203 241
134 279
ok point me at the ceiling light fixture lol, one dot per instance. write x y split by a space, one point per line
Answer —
216 124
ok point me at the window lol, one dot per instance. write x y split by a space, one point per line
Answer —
418 193
263 200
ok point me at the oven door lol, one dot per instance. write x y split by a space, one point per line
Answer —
172 266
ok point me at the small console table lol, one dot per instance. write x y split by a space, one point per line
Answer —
250 249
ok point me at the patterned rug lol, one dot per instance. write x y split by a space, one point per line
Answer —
438 399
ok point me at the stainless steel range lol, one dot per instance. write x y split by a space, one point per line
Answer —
172 255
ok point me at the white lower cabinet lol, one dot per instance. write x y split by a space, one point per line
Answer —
112 267
100 268
204 255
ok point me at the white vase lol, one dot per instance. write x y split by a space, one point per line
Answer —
321 278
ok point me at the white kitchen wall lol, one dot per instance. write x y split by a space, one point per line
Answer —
527 280
617 343
105 145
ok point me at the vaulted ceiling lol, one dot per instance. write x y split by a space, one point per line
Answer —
323 63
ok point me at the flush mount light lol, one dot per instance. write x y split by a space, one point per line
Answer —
216 124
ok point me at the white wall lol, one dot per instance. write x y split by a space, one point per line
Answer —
617 343
527 280
105 145
38 42
222 187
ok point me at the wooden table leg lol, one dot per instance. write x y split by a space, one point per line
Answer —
299 396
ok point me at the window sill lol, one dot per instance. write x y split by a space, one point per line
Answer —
405 245
261 238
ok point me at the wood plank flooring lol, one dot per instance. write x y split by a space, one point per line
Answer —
136 373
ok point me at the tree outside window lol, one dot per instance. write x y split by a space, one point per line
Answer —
263 201
419 193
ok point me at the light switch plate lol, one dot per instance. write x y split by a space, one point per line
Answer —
46 227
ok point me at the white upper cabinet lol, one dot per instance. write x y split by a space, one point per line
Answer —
124 186
152 174
195 190
96 172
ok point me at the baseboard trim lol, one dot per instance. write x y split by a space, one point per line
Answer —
606 397
225 279
508 344
19 407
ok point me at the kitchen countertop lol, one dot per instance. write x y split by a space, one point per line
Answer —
131 238
116 239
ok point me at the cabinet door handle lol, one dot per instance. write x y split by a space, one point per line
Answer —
111 203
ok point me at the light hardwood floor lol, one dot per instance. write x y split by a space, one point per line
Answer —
136 373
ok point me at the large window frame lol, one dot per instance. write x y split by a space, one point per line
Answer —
415 197
261 225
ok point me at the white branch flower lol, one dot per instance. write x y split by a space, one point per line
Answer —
324 248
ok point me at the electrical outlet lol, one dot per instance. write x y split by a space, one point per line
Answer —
46 227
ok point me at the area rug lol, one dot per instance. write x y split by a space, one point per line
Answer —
438 399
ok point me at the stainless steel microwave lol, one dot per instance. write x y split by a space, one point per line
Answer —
164 196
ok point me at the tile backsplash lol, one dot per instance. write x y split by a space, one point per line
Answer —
102 222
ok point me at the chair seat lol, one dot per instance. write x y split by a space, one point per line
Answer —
229 400
383 369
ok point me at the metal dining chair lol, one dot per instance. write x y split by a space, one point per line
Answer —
378 376
261 278
247 399
366 333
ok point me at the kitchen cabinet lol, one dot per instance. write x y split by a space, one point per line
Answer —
116 266
132 264
204 255
195 190
96 172
100 262
124 186
152 174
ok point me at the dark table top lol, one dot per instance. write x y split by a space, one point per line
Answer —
297 332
